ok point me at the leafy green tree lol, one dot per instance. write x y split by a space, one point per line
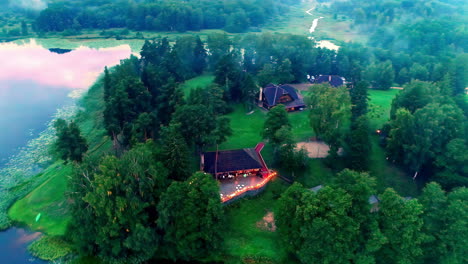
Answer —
237 22
419 72
453 164
434 202
289 225
414 96
200 56
191 215
328 234
401 223
122 195
421 137
266 75
359 96
458 71
197 124
358 144
360 186
223 130
330 109
218 45
277 118
287 156
144 128
107 84
211 97
175 152
70 144
380 75
170 98
284 72
249 91
456 237
228 76
278 73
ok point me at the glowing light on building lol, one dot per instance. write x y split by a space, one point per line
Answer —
225 198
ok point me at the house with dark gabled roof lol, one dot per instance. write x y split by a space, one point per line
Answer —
286 95
333 80
233 163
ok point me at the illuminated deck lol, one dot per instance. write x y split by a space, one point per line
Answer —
232 188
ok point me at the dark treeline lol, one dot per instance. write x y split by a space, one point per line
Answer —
169 15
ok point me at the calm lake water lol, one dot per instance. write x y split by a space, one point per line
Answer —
34 83
13 246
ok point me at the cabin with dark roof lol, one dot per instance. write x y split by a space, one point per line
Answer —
228 164
333 80
286 95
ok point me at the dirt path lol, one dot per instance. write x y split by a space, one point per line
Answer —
268 222
316 149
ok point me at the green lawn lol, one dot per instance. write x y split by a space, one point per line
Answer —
197 82
380 103
48 199
387 174
244 239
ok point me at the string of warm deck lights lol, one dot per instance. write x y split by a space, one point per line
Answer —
250 188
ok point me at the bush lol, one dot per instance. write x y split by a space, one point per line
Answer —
50 248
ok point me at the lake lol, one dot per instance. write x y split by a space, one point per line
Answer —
13 245
34 83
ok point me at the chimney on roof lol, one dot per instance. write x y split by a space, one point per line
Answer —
202 161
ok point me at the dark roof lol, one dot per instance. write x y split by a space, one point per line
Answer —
373 199
273 93
232 160
333 80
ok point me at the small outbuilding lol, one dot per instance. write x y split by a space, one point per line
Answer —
333 80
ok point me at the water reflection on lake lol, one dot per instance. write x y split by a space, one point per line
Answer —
35 81
13 246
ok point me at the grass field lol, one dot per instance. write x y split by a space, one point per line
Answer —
197 82
245 241
380 104
48 199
